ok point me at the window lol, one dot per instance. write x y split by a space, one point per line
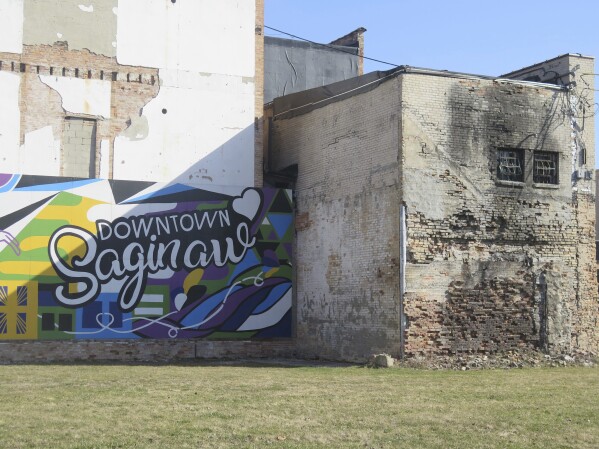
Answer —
545 168
510 165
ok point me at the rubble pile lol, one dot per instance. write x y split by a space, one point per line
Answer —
504 360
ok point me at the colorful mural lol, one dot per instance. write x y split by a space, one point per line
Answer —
106 259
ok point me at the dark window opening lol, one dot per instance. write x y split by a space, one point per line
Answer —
545 168
510 165
583 155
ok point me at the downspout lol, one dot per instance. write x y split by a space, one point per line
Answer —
403 231
403 237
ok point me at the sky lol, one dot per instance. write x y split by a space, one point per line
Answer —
473 36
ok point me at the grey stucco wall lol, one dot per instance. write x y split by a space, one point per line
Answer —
292 66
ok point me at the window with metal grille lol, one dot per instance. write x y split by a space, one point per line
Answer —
545 168
510 165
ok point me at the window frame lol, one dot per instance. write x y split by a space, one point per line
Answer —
548 174
517 154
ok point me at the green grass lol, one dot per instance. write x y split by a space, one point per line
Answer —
107 406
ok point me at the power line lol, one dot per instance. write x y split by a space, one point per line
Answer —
330 46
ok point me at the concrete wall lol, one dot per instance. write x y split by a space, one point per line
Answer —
167 104
347 223
293 66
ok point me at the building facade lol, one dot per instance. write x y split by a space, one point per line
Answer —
113 118
121 90
442 213
435 212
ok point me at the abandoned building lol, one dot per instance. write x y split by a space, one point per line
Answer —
432 212
441 213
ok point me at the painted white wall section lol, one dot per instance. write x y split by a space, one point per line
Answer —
81 96
194 35
104 159
10 122
201 129
11 26
40 155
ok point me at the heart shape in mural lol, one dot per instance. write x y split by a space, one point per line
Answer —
248 203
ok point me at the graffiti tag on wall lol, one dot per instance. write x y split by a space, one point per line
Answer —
99 259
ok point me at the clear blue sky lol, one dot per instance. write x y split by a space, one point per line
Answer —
473 36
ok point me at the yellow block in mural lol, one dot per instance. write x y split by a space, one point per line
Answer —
18 310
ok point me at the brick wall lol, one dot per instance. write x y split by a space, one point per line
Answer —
259 97
40 105
347 244
147 350
79 147
477 247
492 265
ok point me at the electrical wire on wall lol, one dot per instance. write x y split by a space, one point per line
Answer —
329 46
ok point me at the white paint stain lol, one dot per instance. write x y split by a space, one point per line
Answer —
115 11
114 44
210 119
81 96
40 155
84 8
11 26
104 159
10 115
58 35
150 34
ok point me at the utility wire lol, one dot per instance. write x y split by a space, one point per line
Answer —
330 46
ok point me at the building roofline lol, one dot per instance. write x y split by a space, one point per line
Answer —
274 40
300 103
532 66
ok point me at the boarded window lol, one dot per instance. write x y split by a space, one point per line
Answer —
510 165
545 169
79 148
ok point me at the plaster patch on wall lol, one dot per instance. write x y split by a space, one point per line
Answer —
162 34
10 118
81 96
201 123
83 26
138 129
40 154
11 26
105 159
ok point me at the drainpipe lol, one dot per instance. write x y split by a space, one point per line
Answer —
403 238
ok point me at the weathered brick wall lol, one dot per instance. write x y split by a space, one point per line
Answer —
347 241
477 247
147 350
41 106
259 97
491 265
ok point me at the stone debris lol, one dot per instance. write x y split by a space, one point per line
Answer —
503 360
381 361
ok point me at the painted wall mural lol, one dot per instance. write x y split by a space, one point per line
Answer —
107 259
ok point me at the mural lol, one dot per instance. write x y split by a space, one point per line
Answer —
106 259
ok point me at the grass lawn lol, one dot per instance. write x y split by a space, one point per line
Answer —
117 406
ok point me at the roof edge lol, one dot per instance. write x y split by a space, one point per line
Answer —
532 66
